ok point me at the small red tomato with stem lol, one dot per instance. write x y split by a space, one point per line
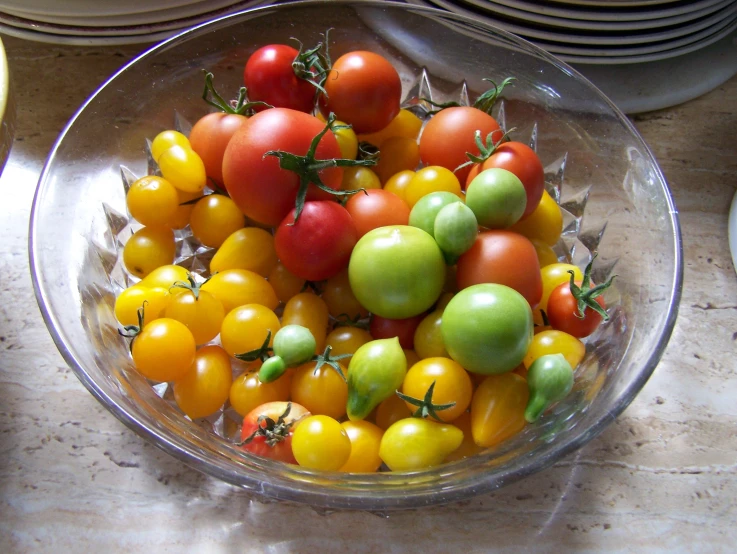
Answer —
319 244
267 430
576 307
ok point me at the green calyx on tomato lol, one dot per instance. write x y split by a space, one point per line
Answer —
132 331
313 65
327 359
262 353
485 102
550 379
486 148
585 295
191 285
308 168
239 106
425 406
273 431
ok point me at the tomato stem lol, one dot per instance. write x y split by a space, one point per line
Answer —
307 167
485 102
313 65
239 106
191 285
262 353
132 331
327 359
585 295
486 149
425 406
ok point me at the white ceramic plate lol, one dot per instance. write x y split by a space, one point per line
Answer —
613 12
89 8
124 34
723 7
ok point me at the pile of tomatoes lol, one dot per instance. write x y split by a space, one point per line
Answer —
383 291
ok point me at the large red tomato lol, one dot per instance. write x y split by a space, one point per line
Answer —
260 188
210 137
451 132
272 441
269 77
319 244
505 258
520 159
363 89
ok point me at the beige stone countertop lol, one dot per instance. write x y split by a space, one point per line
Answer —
661 478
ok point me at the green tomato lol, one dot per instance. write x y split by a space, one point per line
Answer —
377 369
426 209
455 229
295 344
550 379
397 271
497 197
487 328
272 368
415 443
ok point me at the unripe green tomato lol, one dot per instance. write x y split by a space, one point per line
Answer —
455 228
271 369
426 209
550 379
497 197
295 344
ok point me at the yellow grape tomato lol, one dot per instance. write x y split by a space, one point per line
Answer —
498 408
183 168
148 249
214 218
237 287
246 327
365 441
205 387
248 248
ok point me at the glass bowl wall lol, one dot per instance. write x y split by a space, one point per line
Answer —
617 203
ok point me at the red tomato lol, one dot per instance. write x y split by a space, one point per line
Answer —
280 434
563 312
403 329
261 189
520 159
377 208
209 138
319 245
269 77
503 257
363 89
450 133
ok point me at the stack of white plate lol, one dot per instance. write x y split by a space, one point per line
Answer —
98 22
644 54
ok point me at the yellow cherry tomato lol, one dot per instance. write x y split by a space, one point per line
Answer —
346 340
452 385
132 299
183 168
545 253
165 276
214 218
322 391
165 140
398 183
347 140
237 287
397 154
467 448
308 310
152 201
246 327
365 440
248 248
433 178
180 219
555 342
405 124
340 300
545 223
285 283
359 177
319 442
414 443
147 249
498 408
391 410
204 388
164 350
428 338
248 393
202 313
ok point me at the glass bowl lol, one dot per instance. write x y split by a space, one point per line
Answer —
614 198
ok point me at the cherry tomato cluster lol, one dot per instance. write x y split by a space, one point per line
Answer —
383 290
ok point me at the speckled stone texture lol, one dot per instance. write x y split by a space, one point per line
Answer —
661 478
